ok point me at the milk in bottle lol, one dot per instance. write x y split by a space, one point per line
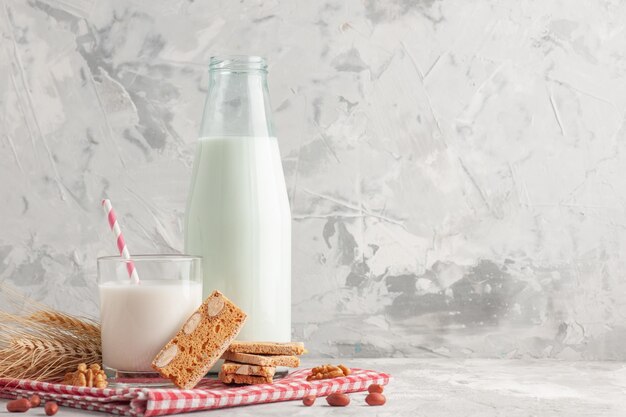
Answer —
238 216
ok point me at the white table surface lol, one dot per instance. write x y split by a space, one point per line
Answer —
447 387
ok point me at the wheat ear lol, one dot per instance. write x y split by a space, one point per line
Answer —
66 322
42 343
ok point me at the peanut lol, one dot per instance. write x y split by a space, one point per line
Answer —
35 401
338 400
51 408
375 388
18 406
375 398
308 400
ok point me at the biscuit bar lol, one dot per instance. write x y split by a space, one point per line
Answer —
244 379
277 360
267 348
200 342
245 369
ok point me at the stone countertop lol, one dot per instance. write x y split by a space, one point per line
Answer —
471 387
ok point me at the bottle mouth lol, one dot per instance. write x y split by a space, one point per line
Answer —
237 63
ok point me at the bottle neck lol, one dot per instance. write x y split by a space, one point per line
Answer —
237 104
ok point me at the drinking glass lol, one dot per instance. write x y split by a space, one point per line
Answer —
138 319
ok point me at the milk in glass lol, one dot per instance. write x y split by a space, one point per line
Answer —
138 320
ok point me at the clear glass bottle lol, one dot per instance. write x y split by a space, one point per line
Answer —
238 216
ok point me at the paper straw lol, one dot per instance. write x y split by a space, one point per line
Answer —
121 244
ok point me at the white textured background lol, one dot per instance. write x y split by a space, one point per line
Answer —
456 168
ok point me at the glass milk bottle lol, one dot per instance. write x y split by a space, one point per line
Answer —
238 216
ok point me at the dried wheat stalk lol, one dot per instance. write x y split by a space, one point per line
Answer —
42 343
65 321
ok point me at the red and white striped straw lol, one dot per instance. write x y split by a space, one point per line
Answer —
121 244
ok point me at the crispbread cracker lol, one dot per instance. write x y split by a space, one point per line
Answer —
206 334
244 379
276 360
246 369
267 348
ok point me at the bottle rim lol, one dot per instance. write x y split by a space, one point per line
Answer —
237 63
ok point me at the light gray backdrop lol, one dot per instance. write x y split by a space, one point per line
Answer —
456 169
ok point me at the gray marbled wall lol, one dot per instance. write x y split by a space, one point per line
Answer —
455 168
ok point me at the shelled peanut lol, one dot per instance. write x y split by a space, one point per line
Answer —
374 397
35 401
308 400
20 405
338 400
51 408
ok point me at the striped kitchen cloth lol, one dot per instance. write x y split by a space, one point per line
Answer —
209 394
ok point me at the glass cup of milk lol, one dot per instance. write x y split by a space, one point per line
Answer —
138 319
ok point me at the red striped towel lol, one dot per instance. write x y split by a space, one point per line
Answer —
208 395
